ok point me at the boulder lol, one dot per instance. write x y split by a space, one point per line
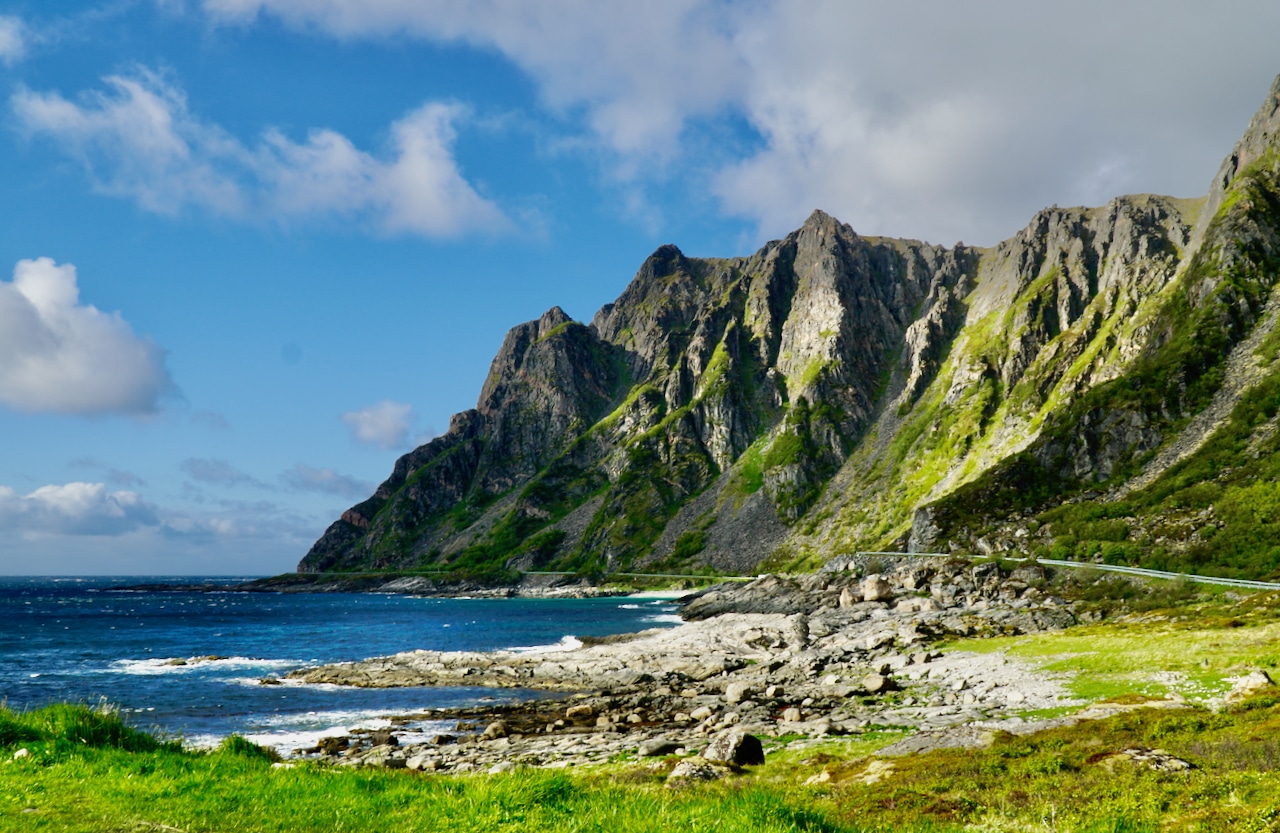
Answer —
384 756
876 588
422 763
1028 574
697 769
736 692
331 745
735 747
575 712
791 715
877 684
1255 680
1156 759
496 729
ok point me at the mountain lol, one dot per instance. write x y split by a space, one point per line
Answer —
1100 385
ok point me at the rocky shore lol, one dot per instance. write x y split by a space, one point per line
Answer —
794 660
529 586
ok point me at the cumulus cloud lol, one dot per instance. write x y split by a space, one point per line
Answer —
304 478
75 509
933 119
385 424
13 39
139 139
58 355
217 473
641 69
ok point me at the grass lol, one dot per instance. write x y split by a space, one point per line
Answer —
80 774
1192 653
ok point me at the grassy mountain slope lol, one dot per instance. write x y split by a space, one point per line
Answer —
834 391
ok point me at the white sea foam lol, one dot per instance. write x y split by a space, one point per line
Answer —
289 734
628 607
665 618
567 643
167 665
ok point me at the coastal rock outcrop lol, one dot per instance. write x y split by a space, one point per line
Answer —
729 687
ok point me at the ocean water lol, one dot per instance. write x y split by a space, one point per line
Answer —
84 640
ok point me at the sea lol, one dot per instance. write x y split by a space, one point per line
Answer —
94 641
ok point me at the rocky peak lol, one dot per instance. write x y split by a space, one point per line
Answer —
1261 137
821 221
659 305
667 259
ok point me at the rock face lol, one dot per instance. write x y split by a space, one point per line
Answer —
837 392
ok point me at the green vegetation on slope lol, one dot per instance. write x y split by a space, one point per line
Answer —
1212 513
1216 512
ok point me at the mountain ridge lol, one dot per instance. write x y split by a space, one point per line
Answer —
833 392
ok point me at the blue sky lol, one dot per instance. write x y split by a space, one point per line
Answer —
253 250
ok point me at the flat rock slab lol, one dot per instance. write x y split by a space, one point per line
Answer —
957 737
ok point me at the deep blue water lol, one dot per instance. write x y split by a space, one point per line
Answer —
79 640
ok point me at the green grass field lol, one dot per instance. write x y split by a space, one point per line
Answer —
84 770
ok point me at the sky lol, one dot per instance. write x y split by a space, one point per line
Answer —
251 251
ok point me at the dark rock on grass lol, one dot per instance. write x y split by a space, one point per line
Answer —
735 747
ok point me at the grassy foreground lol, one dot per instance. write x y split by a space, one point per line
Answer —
84 770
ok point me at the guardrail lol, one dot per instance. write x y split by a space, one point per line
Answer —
1110 568
646 575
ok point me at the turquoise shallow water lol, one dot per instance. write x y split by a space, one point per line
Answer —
83 640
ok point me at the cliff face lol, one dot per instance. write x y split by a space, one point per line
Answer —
834 391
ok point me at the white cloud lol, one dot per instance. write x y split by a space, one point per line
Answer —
641 69
932 119
75 509
304 478
57 355
85 529
13 39
139 139
385 424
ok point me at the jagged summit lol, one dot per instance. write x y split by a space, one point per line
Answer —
833 391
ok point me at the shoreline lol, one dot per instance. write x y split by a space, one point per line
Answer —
802 660
529 587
